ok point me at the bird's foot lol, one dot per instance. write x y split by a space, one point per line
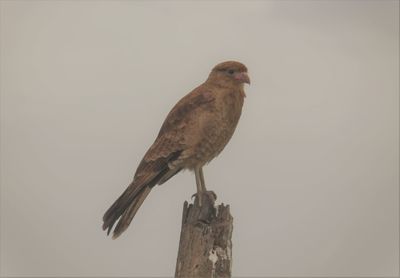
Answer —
203 196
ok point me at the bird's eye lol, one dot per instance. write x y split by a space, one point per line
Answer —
231 71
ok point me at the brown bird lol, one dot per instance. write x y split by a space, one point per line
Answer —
195 131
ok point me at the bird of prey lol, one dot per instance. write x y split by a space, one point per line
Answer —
195 131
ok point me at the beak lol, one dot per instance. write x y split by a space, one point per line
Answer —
243 77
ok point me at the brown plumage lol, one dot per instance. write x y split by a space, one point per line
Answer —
194 132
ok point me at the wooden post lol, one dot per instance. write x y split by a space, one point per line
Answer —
205 247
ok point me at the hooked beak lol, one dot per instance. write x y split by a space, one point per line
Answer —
243 77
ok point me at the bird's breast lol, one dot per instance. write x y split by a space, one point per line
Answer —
218 127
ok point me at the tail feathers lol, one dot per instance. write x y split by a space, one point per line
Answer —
119 206
147 176
128 215
126 206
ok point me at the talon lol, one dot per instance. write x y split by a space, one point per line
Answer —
198 196
213 194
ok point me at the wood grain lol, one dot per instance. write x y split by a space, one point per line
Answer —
205 248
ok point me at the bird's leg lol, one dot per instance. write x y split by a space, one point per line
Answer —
199 186
203 184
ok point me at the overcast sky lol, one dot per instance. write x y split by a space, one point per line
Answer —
311 174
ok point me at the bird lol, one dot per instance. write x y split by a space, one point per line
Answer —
194 132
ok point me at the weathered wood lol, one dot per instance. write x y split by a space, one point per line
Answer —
205 248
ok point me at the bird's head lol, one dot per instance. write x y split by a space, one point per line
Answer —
230 72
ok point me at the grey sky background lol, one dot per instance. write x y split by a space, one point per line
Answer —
311 174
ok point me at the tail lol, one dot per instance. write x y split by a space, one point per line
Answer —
125 207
